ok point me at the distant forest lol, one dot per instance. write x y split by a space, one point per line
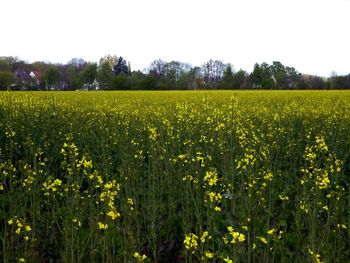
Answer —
114 73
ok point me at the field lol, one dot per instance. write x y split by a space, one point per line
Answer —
197 176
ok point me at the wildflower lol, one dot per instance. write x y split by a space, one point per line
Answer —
191 241
341 226
204 236
227 260
211 177
209 254
271 231
139 257
284 197
217 209
236 236
21 260
262 239
316 256
113 214
102 226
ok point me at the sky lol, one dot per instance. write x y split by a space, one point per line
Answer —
309 35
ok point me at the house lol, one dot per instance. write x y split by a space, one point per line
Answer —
28 79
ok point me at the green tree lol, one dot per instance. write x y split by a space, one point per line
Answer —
73 78
6 79
149 83
227 78
104 75
120 82
89 73
51 77
5 65
238 79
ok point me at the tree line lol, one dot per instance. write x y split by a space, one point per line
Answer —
114 73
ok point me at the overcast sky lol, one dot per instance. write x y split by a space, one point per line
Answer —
310 35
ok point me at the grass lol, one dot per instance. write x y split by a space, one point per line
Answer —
176 176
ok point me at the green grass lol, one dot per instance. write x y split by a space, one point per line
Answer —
177 176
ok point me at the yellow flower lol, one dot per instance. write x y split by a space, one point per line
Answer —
209 254
114 215
28 228
102 226
236 236
211 177
271 231
139 257
262 239
217 209
227 260
204 235
191 241
21 260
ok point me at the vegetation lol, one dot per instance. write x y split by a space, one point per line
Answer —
201 176
114 73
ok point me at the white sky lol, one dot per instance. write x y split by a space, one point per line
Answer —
310 35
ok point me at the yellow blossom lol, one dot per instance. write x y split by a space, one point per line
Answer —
102 225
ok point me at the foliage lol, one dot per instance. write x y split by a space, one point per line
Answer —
51 77
6 79
88 74
121 67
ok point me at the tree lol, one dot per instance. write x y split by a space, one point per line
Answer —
120 82
227 78
88 75
120 67
149 83
5 65
257 76
77 62
6 79
212 72
51 77
157 68
239 79
74 81
111 60
104 75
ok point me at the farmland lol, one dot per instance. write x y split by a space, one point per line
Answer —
192 176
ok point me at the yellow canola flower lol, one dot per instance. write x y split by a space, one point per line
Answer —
191 241
227 260
271 231
113 214
262 239
211 177
316 256
209 254
102 226
204 236
236 236
139 257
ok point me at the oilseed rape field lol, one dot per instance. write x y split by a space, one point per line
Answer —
175 176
